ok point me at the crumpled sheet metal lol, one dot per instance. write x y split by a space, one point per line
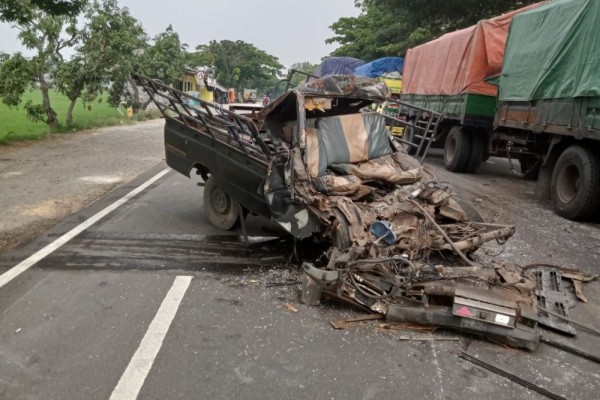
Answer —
485 301
347 86
405 192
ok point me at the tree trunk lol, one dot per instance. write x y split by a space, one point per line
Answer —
50 113
70 111
136 96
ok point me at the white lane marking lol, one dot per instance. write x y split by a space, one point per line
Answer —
40 254
135 374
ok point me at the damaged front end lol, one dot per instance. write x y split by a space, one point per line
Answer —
346 178
468 299
401 240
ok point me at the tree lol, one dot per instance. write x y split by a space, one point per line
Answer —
304 66
16 77
107 44
238 64
21 11
390 27
165 59
47 36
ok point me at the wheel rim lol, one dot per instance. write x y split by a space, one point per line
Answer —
220 201
450 149
568 182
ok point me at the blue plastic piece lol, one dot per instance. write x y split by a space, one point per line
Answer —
383 231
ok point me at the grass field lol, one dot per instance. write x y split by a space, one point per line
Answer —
14 125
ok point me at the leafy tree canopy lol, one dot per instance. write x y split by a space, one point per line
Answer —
21 11
107 47
390 27
305 66
238 64
166 58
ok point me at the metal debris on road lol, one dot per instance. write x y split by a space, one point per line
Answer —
429 338
353 322
508 375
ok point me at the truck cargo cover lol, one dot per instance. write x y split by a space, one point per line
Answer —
338 66
553 52
459 62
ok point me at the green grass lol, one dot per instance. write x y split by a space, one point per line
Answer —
15 126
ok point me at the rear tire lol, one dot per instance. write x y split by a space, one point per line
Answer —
457 149
575 184
478 144
221 210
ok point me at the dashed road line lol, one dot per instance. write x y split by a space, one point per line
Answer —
49 249
133 378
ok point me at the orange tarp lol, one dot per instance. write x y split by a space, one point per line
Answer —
460 61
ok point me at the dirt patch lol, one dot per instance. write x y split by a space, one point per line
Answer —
47 180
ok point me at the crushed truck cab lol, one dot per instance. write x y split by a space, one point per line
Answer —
315 162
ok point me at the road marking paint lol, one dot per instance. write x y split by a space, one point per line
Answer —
102 179
40 254
135 374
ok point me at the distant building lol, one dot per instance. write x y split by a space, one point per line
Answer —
200 83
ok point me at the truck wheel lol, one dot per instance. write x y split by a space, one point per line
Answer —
575 184
478 143
457 149
341 236
530 168
221 210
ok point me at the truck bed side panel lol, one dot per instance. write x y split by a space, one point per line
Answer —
468 109
238 175
578 117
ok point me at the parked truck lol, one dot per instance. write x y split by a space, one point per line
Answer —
524 86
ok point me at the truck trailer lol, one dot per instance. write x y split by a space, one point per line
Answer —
523 86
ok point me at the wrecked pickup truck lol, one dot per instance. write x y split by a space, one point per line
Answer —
318 164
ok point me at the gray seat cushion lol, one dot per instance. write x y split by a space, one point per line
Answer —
345 139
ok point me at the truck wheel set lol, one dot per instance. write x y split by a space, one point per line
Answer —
526 87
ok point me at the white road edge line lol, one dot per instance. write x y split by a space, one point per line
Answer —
40 254
133 378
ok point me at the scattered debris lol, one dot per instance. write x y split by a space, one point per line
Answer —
395 327
502 302
353 322
550 296
276 284
429 338
291 308
578 286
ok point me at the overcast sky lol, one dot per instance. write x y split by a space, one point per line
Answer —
292 30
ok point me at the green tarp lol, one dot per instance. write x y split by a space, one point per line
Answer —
552 52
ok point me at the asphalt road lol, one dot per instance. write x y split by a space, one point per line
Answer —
108 314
